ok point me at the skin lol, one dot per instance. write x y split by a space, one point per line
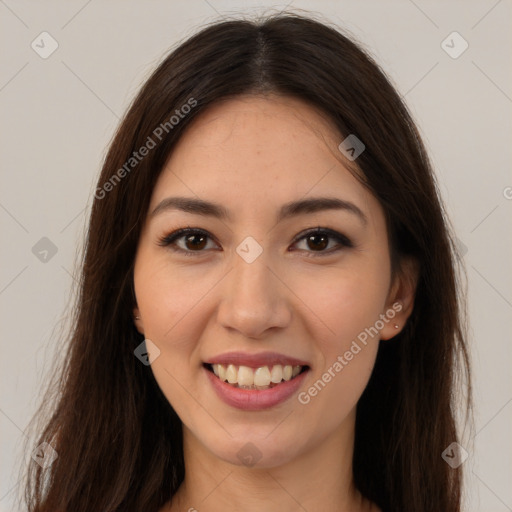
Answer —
252 154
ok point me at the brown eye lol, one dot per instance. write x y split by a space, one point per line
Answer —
322 241
317 242
195 241
188 241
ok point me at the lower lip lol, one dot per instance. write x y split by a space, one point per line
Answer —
255 399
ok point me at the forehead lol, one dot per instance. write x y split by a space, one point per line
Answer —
269 129
263 151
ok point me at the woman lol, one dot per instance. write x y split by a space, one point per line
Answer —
268 316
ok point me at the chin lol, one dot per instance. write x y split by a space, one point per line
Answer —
255 451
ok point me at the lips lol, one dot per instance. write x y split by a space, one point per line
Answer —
255 399
255 360
255 381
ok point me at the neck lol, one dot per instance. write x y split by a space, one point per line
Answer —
319 479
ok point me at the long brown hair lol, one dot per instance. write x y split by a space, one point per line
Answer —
118 440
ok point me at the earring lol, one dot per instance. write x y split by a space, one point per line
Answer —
138 318
396 326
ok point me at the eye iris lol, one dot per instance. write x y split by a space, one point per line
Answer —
195 241
324 241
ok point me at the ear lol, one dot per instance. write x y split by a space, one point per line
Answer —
400 300
137 320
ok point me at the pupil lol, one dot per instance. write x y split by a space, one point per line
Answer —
322 245
195 244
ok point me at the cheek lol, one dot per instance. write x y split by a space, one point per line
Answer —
348 346
346 301
168 297
345 307
170 305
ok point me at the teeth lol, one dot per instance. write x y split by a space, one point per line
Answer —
276 375
245 376
260 378
232 374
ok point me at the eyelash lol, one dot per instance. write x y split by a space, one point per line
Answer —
342 240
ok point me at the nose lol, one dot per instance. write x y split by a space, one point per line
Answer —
255 300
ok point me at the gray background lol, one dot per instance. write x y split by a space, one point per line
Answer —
59 114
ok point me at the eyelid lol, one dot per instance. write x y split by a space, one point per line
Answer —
342 240
339 237
168 240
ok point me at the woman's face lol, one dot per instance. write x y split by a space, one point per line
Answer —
256 290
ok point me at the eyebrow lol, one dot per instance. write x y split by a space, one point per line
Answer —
303 206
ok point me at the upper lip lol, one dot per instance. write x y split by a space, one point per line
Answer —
255 360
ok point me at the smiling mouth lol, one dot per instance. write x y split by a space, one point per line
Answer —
263 377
